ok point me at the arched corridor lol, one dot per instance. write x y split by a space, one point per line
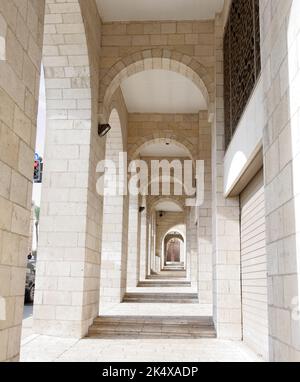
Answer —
169 181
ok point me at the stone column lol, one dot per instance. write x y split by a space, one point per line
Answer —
226 224
21 30
133 241
192 250
143 245
204 218
67 281
280 31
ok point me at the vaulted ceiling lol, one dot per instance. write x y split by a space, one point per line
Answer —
167 149
168 206
161 91
146 10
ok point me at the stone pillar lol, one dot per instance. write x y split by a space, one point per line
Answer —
148 245
67 281
133 241
21 29
226 223
115 220
143 245
153 243
280 31
192 250
204 218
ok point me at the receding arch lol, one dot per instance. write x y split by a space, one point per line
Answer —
179 201
178 231
153 59
161 137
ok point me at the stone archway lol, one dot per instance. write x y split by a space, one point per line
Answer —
154 59
160 137
172 246
115 225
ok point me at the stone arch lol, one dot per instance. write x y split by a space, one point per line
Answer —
160 137
154 59
178 200
176 234
177 229
166 240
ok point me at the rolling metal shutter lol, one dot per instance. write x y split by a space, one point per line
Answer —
254 266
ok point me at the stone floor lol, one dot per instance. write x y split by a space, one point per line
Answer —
36 348
50 349
152 309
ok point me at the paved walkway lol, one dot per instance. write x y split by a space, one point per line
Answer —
36 348
49 349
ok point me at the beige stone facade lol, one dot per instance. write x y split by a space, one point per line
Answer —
97 252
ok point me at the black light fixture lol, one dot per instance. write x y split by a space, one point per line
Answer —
142 209
103 129
161 214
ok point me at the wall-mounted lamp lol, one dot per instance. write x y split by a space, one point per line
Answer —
103 129
141 209
161 214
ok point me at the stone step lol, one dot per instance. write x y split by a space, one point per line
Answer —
162 284
175 298
168 275
162 320
152 327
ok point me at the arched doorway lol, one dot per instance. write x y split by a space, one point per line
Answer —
173 250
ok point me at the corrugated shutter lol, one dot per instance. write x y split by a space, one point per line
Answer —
254 266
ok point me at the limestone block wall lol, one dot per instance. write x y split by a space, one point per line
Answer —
194 38
20 58
280 31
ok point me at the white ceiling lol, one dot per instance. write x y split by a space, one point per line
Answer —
146 10
168 206
162 91
161 149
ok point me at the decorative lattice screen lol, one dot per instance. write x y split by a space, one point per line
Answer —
242 61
